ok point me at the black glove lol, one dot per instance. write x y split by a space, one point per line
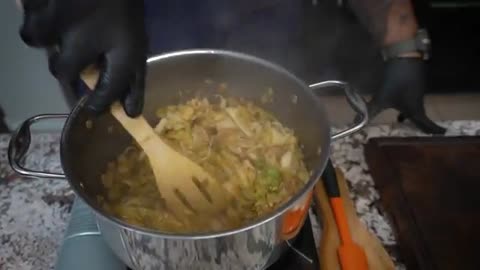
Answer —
403 89
84 32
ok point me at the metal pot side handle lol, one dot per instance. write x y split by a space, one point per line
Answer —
355 100
20 143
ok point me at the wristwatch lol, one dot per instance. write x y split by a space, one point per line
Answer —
420 43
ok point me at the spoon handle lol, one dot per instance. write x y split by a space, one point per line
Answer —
138 128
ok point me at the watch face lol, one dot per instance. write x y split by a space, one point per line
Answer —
422 34
423 43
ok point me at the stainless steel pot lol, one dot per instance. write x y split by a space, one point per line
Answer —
177 77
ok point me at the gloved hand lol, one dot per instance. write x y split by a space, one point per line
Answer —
403 89
78 33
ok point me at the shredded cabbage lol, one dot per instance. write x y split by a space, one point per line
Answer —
240 144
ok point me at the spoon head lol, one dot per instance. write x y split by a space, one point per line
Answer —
352 257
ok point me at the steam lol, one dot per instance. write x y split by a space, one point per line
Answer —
315 40
19 4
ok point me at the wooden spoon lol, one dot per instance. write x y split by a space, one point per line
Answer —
377 256
185 186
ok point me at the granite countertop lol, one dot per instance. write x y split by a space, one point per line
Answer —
34 212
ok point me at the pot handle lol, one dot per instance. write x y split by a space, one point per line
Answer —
356 101
20 143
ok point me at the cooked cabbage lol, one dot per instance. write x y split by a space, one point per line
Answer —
246 148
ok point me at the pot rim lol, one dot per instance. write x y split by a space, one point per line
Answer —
315 175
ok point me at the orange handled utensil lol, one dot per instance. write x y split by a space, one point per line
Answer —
351 255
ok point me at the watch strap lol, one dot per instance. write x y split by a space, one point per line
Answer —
420 43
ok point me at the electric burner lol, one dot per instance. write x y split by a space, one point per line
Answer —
302 254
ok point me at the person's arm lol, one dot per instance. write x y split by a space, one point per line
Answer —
391 22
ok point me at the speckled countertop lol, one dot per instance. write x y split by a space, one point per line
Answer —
34 212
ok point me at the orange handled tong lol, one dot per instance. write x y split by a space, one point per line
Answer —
351 255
